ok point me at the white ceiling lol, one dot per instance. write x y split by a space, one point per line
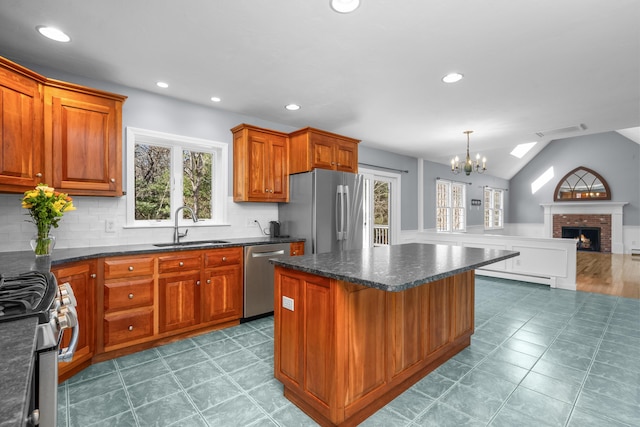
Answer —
374 74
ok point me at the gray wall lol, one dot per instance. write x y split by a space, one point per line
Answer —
613 156
475 190
408 181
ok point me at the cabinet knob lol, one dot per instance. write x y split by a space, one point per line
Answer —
131 327
266 190
208 281
131 268
295 252
112 180
197 282
224 258
38 175
181 264
93 275
333 163
130 296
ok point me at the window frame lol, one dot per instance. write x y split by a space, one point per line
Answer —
450 208
489 208
178 143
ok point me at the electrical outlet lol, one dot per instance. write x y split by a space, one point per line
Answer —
287 303
251 222
110 226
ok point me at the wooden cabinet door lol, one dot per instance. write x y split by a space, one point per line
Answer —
322 152
85 135
346 156
278 180
21 144
222 294
258 166
81 276
179 301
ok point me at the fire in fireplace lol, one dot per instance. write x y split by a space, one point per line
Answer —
587 238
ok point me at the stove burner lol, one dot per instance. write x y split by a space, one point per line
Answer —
28 293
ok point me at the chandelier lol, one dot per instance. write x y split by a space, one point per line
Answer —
469 165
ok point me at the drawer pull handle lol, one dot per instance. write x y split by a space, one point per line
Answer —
224 258
130 296
131 268
93 276
181 264
131 327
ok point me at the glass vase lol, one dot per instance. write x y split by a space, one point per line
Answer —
42 244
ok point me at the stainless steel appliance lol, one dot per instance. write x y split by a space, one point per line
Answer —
325 208
38 294
258 277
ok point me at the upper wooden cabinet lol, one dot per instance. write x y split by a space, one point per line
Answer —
58 133
21 144
313 148
260 158
83 127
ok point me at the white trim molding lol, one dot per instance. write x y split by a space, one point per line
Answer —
615 209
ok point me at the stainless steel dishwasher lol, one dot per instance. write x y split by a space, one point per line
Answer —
258 277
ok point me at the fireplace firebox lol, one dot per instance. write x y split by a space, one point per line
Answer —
587 238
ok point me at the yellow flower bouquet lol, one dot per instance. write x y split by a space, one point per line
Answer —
46 207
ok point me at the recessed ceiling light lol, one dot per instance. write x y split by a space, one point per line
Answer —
522 149
53 33
292 107
215 99
344 6
452 77
163 85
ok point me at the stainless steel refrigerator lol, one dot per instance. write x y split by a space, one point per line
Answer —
325 208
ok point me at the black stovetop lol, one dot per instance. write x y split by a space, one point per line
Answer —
27 294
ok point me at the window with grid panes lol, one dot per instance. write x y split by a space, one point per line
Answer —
450 206
493 208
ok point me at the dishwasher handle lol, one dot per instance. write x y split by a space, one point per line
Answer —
265 254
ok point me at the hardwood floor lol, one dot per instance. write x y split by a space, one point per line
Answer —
612 274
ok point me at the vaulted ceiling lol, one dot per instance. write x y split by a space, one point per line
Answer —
375 74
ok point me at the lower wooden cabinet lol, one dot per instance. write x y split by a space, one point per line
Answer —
296 249
179 297
221 294
82 278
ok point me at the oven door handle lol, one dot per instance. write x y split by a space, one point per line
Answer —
66 354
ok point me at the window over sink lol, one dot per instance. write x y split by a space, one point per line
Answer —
166 171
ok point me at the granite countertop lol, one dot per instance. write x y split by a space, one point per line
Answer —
397 267
18 338
12 263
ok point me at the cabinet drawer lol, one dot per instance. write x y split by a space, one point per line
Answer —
222 257
173 263
296 249
130 294
128 267
128 326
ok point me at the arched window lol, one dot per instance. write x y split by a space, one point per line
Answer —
582 184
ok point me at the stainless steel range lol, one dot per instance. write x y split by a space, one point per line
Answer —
38 294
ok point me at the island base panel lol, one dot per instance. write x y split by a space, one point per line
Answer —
346 350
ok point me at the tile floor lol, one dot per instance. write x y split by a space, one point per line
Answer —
539 357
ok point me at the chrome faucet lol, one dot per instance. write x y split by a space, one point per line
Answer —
176 232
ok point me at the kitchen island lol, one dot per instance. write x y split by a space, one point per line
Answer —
355 329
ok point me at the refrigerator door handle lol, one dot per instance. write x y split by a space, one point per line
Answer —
347 221
338 212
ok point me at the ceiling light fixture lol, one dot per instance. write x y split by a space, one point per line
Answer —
292 107
452 77
163 85
53 34
215 99
469 165
344 6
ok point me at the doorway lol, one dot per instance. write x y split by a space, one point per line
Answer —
381 208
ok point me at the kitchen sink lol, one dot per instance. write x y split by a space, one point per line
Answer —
195 243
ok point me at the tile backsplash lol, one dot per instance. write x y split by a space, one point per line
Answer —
85 227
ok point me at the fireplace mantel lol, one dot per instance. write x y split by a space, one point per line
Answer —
615 209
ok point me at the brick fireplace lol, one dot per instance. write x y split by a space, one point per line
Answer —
604 214
601 221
